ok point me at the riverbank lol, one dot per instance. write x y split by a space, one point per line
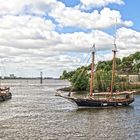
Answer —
68 89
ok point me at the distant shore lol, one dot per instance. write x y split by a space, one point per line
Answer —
67 89
26 78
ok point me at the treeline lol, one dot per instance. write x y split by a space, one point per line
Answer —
80 78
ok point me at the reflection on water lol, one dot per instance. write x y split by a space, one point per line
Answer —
35 113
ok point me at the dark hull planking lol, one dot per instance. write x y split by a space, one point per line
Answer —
99 103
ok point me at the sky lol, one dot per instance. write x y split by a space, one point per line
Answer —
56 35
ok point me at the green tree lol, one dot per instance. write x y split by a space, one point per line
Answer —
80 81
102 80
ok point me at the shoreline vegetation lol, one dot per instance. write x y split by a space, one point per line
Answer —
126 66
68 89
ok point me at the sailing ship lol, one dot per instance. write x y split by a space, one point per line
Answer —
103 99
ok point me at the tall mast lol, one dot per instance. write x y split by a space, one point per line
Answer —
114 60
92 70
113 68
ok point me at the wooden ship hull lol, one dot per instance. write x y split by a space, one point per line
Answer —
99 100
100 103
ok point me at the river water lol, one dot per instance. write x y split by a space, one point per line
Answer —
35 113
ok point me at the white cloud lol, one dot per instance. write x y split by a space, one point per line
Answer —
29 41
24 31
96 20
21 6
65 16
25 21
11 7
82 42
99 3
40 47
128 39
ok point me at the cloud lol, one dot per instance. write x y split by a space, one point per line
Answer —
34 44
65 16
29 41
106 18
99 3
24 31
26 6
128 39
82 42
25 21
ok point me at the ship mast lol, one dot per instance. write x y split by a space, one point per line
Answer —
92 70
114 61
113 68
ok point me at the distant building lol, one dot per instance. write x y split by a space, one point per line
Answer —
134 78
12 76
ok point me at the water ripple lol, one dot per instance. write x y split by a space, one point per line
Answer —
35 113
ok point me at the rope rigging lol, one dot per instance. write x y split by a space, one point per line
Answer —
88 57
